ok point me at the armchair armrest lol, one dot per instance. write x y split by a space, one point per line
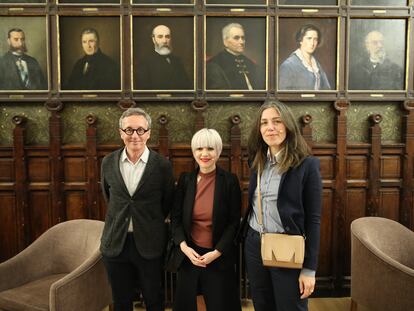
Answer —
30 264
78 290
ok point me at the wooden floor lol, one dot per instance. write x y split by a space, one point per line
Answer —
315 304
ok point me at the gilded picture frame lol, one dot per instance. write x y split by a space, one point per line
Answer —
98 71
27 38
163 53
307 66
235 54
377 54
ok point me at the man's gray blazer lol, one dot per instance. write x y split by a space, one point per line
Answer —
148 206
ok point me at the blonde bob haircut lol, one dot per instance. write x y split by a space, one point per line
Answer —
207 138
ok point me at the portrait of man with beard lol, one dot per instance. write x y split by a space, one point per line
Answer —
161 69
19 71
375 71
95 70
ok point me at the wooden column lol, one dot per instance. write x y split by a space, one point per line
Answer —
58 213
163 137
340 193
372 207
307 129
406 209
199 106
235 146
92 167
21 181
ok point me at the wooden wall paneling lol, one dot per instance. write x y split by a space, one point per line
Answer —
93 167
39 213
406 210
76 204
58 213
339 198
325 266
20 182
389 203
9 229
8 218
374 166
182 159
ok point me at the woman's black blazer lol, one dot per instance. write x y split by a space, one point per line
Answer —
226 211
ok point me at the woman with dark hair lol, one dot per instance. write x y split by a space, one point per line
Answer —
301 70
290 192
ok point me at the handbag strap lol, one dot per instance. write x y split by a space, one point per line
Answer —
259 201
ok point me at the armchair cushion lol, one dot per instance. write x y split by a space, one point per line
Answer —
32 296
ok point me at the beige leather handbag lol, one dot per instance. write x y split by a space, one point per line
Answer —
278 249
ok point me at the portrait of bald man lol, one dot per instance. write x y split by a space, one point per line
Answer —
374 70
18 70
160 68
230 68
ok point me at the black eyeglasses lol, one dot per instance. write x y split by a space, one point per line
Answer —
130 131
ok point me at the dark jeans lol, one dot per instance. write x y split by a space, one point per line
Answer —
273 289
217 283
127 270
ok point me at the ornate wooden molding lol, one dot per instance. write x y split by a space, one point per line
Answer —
199 105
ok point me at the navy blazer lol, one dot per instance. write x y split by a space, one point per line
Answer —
226 211
10 76
299 205
148 206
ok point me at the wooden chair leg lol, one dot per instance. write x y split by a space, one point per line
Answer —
354 305
201 305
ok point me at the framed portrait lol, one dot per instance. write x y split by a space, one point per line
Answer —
163 53
307 2
307 54
377 50
236 2
92 2
162 2
379 2
89 53
235 53
22 1
24 54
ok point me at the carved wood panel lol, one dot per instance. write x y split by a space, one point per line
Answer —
43 185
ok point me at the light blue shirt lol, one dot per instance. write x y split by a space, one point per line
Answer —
269 190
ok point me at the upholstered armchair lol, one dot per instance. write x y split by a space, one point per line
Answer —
62 270
382 265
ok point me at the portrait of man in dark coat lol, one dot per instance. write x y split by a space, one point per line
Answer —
160 68
375 70
18 70
95 70
230 69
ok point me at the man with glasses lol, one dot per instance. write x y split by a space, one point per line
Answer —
138 185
